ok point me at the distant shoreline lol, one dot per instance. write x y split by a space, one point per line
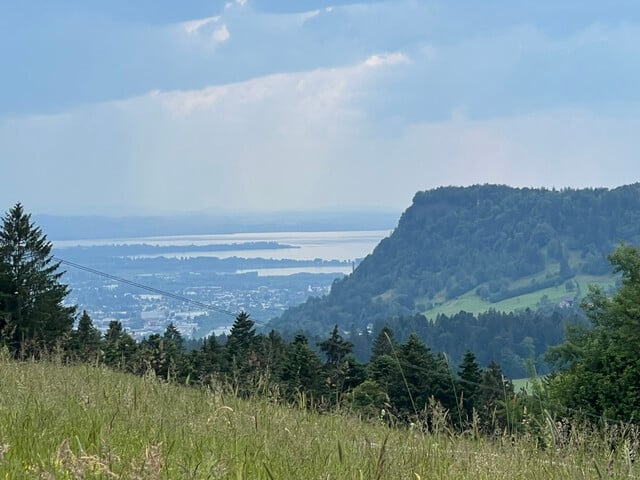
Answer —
67 228
132 249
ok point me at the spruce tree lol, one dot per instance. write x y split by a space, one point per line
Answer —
302 372
207 360
119 347
340 362
384 343
175 362
494 397
383 366
470 379
86 340
240 352
335 348
241 338
32 312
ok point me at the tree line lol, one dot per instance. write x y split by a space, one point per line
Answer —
493 241
403 381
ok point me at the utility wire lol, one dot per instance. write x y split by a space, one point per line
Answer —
223 311
164 293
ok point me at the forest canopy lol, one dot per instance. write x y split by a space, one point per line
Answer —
489 241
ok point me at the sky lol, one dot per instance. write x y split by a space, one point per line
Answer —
163 107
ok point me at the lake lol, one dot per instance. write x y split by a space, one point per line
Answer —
343 246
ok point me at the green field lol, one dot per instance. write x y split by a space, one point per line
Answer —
472 303
61 422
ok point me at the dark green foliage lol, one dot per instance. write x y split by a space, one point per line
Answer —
242 354
600 367
207 361
494 399
368 399
469 383
241 339
384 343
302 372
456 240
119 348
164 355
339 362
273 355
86 340
513 339
335 348
32 313
422 375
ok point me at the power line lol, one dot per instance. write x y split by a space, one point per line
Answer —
142 286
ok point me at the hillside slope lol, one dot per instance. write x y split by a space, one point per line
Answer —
80 422
484 246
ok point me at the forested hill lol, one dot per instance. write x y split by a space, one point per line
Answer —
479 247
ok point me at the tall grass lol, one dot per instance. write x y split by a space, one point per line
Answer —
73 422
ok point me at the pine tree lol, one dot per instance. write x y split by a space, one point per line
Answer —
423 375
241 355
383 366
274 355
208 360
384 343
470 378
86 340
119 347
335 348
339 364
175 365
302 372
32 312
494 397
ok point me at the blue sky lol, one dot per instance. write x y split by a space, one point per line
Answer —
158 107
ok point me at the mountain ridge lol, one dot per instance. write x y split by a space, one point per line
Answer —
493 242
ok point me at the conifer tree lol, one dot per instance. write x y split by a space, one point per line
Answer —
470 378
423 375
119 347
273 356
384 343
335 348
240 353
86 340
494 397
339 361
32 312
383 366
302 372
241 338
208 360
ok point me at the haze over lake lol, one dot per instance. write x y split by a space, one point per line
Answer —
336 245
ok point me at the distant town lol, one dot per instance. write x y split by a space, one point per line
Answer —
199 288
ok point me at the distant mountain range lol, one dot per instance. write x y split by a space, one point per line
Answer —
479 248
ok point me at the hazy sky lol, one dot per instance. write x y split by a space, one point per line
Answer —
150 106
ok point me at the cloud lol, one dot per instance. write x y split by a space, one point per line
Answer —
314 110
296 141
219 147
221 34
193 26
386 59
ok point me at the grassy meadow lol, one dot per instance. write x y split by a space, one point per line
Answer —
72 422
472 303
